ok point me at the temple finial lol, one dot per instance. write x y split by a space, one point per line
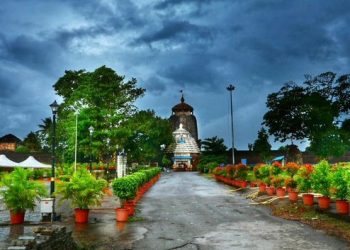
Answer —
182 96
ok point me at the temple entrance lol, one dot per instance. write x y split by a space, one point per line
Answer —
182 166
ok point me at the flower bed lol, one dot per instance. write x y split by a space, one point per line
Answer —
328 182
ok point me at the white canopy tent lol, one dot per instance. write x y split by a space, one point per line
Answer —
6 162
31 162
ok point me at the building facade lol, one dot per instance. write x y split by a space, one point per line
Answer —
185 151
9 142
183 113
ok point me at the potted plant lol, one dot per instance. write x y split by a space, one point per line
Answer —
291 186
251 178
20 193
270 190
340 180
321 183
261 172
276 168
278 183
125 189
291 168
83 190
241 172
302 178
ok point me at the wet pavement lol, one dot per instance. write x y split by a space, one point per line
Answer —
188 211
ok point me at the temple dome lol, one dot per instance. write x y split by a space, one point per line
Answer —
182 107
183 113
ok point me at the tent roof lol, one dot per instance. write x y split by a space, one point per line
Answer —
31 162
6 162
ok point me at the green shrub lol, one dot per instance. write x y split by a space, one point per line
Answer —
125 188
262 172
302 178
278 181
250 176
241 171
210 166
321 178
340 183
82 189
20 192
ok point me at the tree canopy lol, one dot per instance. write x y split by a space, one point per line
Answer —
213 150
262 146
147 133
310 111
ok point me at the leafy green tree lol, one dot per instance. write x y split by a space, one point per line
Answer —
213 145
147 132
310 111
105 101
262 146
331 143
32 143
22 149
286 116
44 134
214 152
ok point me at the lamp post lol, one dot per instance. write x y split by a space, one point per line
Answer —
76 140
108 141
54 108
91 130
231 88
116 163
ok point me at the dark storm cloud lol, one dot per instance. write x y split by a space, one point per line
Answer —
171 3
31 52
197 45
155 84
178 32
7 88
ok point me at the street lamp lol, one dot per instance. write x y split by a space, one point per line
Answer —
108 141
231 88
91 129
54 108
76 140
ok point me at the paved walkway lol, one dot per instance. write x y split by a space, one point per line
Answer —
189 211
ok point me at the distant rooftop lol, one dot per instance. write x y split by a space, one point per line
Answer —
10 138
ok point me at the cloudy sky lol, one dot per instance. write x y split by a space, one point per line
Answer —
200 46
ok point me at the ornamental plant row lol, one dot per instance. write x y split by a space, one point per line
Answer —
325 180
131 188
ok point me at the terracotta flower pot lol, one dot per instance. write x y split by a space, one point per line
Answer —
243 184
17 218
122 214
81 215
342 206
308 199
270 190
281 192
130 206
262 188
293 196
324 202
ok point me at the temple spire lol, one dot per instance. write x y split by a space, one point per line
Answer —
182 96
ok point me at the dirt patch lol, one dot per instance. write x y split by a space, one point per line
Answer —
332 224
